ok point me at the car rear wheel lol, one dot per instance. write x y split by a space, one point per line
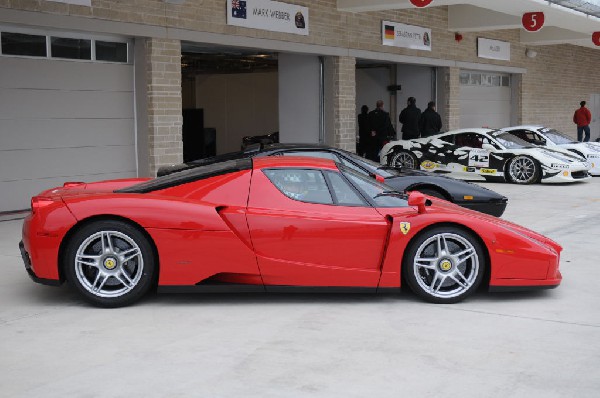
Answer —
110 263
444 265
404 159
523 170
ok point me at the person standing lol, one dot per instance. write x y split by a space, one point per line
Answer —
430 122
409 117
364 130
381 127
582 118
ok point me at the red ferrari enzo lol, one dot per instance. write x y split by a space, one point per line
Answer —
270 223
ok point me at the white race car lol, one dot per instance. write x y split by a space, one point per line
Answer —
482 154
543 136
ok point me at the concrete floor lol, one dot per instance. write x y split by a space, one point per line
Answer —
537 344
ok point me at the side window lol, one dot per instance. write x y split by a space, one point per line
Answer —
301 184
486 140
537 139
448 138
461 140
522 134
311 154
344 194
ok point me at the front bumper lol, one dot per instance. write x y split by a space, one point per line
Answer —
492 208
29 269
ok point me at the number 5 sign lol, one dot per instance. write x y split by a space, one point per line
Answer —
420 3
533 21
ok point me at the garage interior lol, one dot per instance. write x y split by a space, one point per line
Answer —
227 94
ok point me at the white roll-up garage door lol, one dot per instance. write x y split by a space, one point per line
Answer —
63 120
484 99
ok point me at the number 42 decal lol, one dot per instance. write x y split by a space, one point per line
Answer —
479 158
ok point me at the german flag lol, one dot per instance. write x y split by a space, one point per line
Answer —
389 32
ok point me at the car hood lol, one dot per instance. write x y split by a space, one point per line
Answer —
443 206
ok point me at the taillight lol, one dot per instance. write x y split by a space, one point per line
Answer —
37 202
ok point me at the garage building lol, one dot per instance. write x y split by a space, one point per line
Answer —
94 89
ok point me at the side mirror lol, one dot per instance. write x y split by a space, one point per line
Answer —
488 147
416 198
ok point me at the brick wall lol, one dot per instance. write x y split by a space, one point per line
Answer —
163 76
556 80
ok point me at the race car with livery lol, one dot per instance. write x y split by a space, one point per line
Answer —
483 154
554 139
273 224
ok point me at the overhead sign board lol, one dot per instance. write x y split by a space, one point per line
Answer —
493 49
407 36
269 15
533 21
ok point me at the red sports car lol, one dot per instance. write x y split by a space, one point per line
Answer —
270 223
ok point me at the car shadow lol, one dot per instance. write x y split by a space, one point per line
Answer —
66 296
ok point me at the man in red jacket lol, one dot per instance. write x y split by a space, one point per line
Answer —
582 119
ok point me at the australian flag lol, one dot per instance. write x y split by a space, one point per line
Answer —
238 9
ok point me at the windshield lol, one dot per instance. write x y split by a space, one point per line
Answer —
557 137
510 141
381 194
372 167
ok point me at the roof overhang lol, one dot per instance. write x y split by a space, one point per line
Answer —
566 21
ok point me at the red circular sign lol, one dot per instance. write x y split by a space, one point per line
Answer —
596 38
420 3
533 21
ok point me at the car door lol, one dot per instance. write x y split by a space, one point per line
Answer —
473 158
310 227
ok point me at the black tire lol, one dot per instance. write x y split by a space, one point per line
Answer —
523 169
110 263
444 276
403 159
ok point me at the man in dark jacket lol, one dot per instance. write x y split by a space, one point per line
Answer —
409 117
364 131
430 122
381 128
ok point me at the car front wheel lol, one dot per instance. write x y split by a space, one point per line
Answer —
523 170
110 263
444 265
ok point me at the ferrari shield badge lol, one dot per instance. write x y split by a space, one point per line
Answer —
404 227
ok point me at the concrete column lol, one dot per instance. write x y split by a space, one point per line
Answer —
340 88
163 85
449 97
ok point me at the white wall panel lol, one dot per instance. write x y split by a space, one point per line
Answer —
63 120
63 104
482 106
298 98
48 74
59 133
